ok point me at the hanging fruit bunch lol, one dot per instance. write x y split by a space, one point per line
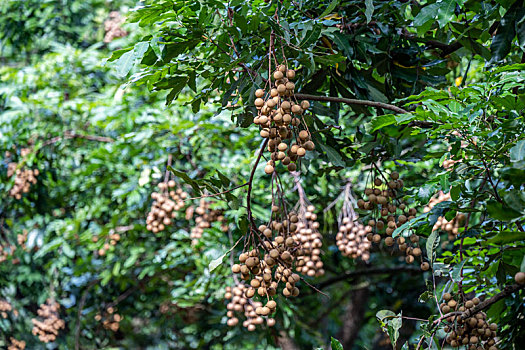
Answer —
47 327
474 332
110 320
111 240
452 226
5 307
388 212
16 344
205 217
307 234
280 119
254 311
351 238
24 177
167 201
270 258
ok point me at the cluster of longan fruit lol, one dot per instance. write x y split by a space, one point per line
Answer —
167 201
111 320
351 238
204 219
113 237
253 310
113 27
452 226
474 332
6 251
16 344
47 328
276 264
390 212
310 242
23 179
5 307
279 117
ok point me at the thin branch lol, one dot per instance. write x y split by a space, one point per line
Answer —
493 299
72 135
81 304
364 272
218 194
351 101
250 184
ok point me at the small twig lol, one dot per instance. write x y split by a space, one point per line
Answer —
250 184
217 194
351 101
72 135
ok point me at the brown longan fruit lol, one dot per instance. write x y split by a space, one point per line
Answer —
303 134
378 182
292 167
520 278
278 75
389 241
447 296
259 93
425 266
268 169
290 74
394 175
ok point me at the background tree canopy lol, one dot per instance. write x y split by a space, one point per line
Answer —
107 106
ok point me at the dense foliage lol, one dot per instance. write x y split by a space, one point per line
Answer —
106 108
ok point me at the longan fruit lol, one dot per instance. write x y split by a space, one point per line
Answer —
425 266
270 322
520 278
303 134
305 105
278 75
296 109
309 145
389 241
268 169
259 102
447 296
378 182
290 74
292 167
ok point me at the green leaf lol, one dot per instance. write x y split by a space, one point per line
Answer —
456 271
184 177
502 41
517 153
217 262
311 36
336 345
505 237
455 191
445 12
501 212
432 244
381 121
330 8
333 155
369 11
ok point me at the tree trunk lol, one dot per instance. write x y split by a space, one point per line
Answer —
353 317
285 342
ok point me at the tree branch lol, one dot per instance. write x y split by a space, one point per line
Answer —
363 272
72 135
250 183
351 101
493 299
